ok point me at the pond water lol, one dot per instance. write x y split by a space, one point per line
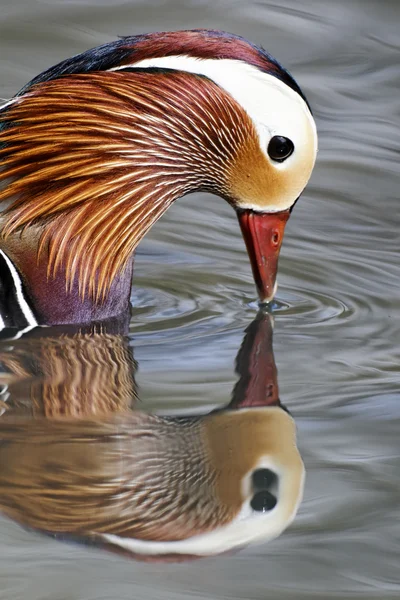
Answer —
336 319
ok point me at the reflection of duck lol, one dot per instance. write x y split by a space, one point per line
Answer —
88 373
154 485
94 150
157 486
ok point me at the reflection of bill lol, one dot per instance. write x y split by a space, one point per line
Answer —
161 487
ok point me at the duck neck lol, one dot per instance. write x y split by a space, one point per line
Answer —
100 173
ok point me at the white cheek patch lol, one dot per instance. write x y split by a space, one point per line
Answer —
273 106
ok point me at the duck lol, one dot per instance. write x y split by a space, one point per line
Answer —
95 149
153 487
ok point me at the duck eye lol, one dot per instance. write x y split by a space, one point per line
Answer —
280 148
264 479
263 501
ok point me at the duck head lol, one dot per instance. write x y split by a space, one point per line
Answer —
94 150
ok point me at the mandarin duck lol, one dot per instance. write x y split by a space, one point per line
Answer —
148 486
95 149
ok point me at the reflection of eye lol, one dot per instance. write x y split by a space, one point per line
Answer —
263 501
280 148
263 479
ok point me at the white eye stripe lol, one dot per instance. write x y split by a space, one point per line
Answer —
273 106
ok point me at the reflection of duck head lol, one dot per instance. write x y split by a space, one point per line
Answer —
159 487
154 485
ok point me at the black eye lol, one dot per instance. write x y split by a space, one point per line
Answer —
263 479
280 148
263 501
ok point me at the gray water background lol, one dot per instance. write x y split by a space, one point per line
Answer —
337 334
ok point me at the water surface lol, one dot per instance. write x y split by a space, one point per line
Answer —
337 332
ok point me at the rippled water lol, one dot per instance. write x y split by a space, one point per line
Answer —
337 332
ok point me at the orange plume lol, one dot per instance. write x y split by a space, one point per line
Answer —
96 159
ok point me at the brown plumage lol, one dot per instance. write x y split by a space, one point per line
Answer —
111 155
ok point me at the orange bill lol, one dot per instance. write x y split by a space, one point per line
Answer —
263 235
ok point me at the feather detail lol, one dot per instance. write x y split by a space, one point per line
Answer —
96 159
83 375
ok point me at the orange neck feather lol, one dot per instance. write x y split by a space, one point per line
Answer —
96 159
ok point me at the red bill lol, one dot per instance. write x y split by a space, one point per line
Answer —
263 235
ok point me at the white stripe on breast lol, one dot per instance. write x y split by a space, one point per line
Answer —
24 306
